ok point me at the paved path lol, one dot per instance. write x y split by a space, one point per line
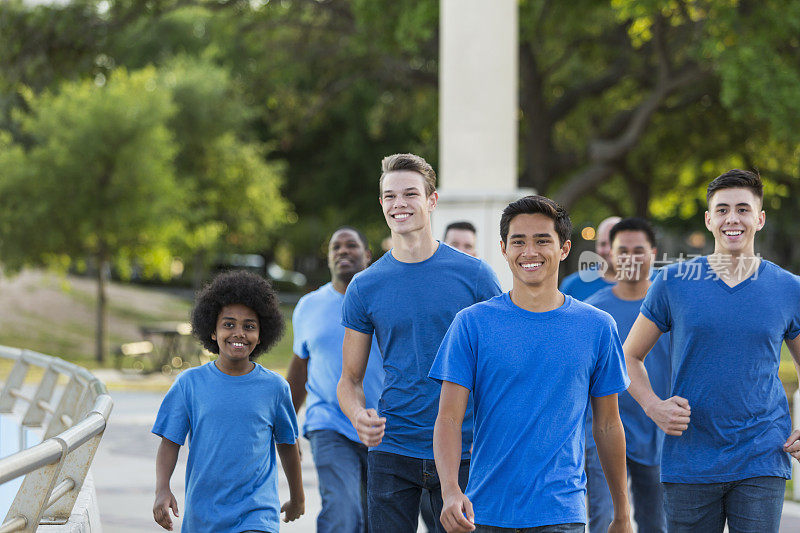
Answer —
124 473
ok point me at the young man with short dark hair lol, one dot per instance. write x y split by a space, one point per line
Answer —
407 299
461 236
727 452
533 359
633 246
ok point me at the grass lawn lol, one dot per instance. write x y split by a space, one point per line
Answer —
54 314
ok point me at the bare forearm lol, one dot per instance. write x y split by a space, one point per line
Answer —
166 459
447 452
640 387
350 392
355 354
297 375
610 438
290 460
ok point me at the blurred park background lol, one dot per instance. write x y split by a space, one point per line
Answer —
145 144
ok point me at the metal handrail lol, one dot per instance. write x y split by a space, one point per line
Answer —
54 469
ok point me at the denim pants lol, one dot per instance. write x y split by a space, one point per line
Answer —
645 487
342 473
394 487
751 505
556 528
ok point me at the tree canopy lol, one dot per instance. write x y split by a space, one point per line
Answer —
626 106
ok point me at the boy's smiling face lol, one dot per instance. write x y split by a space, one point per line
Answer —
236 333
734 216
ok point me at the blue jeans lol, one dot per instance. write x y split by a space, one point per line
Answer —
342 473
394 487
426 513
556 528
751 505
645 486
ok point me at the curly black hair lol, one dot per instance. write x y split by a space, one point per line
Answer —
238 287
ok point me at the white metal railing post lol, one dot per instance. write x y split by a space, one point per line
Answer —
34 417
56 468
35 492
13 384
67 412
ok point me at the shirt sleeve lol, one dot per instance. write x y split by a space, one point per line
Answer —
354 313
488 284
794 323
455 361
656 304
172 421
610 375
299 346
284 425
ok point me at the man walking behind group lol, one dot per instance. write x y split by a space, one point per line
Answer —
314 372
461 235
729 438
633 246
584 283
407 299
533 358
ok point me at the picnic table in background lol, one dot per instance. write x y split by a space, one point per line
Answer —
166 347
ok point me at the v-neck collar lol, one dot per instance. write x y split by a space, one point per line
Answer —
742 284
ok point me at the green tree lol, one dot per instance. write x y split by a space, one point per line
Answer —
231 192
97 183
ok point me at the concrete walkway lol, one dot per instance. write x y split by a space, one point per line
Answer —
124 473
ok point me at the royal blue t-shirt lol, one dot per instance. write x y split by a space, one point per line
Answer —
318 336
409 306
575 286
726 344
643 438
233 424
531 375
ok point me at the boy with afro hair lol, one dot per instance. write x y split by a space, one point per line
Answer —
235 412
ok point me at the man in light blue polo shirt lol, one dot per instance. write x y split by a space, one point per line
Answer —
314 372
406 300
533 359
729 439
633 246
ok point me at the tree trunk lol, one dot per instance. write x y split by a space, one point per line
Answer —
101 348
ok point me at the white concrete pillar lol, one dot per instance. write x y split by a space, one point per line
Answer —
478 120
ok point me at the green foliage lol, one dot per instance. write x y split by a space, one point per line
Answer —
231 197
98 179
301 99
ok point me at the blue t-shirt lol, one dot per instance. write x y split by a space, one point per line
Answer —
409 307
318 336
580 289
233 424
726 344
531 375
643 438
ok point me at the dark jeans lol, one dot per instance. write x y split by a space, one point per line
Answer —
342 474
645 486
751 505
394 487
557 528
425 511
